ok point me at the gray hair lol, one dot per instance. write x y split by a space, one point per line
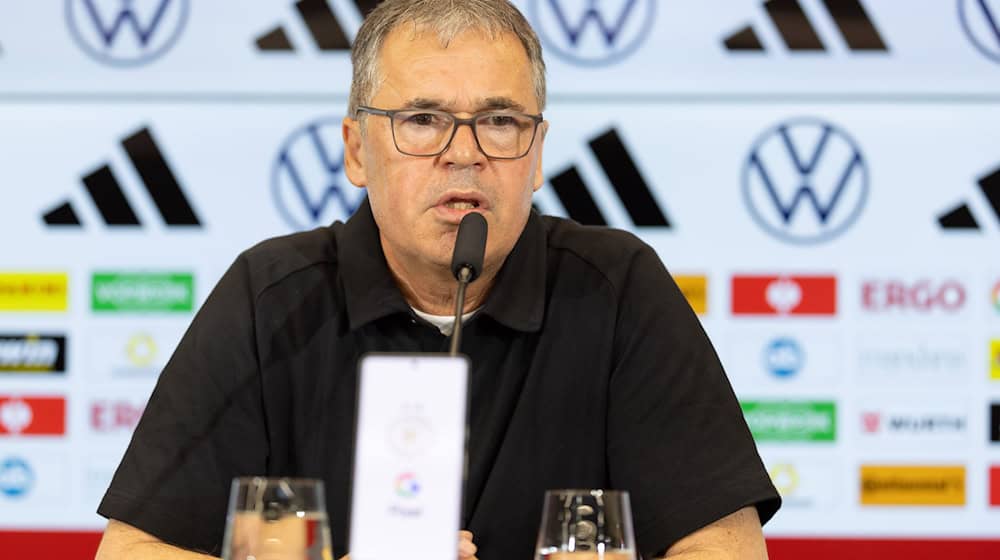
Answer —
447 18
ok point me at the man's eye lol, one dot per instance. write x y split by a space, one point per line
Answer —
501 120
423 119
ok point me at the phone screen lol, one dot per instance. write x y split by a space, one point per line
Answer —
409 456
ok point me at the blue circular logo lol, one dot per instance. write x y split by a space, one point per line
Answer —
126 33
981 23
16 477
308 182
805 181
589 33
784 358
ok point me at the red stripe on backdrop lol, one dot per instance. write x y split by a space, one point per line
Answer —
82 546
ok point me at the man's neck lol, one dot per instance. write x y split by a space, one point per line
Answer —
432 288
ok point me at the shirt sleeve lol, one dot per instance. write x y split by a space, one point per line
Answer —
203 426
677 440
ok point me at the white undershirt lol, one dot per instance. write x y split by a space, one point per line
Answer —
444 323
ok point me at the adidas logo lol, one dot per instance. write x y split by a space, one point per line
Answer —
322 24
110 200
799 34
961 218
624 176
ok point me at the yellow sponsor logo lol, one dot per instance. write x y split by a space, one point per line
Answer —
785 478
904 485
141 350
695 290
995 359
34 292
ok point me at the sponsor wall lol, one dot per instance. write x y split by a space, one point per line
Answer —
822 179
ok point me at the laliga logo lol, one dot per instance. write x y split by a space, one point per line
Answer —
784 295
15 416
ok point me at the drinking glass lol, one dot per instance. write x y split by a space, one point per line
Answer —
277 519
586 525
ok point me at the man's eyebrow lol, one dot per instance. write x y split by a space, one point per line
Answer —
426 103
499 104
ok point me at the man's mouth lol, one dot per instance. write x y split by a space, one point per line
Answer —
461 204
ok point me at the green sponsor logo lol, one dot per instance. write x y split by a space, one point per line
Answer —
791 420
143 292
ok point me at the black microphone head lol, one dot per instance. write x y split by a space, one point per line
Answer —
470 245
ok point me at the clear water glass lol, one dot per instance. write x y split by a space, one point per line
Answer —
586 525
277 519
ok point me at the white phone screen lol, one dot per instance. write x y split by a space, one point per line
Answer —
409 457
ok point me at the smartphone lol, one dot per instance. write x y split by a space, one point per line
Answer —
409 456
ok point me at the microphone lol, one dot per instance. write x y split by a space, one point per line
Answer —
466 265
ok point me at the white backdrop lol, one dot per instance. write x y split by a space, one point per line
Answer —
908 375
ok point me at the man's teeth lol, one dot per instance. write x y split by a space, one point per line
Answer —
458 205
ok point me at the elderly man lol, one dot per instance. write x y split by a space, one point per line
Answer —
589 370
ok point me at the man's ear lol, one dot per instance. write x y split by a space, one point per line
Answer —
354 161
539 178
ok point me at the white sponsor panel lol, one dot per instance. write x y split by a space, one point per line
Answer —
32 479
783 357
805 483
913 421
136 351
899 357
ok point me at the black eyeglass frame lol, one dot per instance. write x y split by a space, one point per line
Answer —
457 122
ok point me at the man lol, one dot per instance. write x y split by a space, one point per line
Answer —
589 370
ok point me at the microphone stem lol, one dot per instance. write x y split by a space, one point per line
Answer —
456 333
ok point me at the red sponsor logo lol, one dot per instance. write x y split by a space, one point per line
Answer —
871 421
108 416
995 486
32 416
922 295
784 295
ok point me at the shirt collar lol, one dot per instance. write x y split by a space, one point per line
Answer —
517 299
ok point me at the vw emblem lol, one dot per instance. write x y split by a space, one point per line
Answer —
308 182
126 32
593 32
805 181
981 22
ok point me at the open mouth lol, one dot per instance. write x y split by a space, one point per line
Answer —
458 204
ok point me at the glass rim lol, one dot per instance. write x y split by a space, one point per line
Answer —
286 479
587 491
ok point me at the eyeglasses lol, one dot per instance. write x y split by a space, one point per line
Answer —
425 133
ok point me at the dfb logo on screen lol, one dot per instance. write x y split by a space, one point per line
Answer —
925 296
126 33
111 416
981 23
784 295
16 477
32 416
805 181
308 183
591 33
784 357
32 353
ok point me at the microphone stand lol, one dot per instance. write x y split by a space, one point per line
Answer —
464 276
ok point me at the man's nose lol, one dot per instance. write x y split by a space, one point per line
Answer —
464 150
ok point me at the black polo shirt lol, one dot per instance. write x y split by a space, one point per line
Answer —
589 370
